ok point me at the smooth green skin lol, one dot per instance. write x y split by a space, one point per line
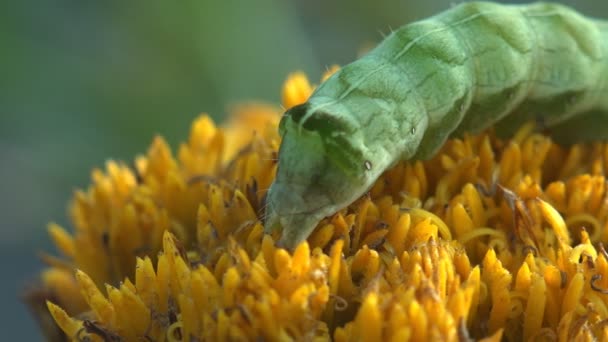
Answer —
463 70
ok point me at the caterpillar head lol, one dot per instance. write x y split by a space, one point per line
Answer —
321 169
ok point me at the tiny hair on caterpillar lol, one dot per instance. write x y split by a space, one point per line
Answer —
476 65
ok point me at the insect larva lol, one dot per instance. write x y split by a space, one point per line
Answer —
470 67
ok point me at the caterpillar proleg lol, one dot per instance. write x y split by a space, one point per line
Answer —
470 67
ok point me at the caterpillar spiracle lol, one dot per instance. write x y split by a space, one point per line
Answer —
470 67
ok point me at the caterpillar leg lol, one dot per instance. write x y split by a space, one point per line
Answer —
585 127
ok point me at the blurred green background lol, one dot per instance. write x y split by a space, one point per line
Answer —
84 81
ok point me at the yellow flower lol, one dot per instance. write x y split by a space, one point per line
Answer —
490 240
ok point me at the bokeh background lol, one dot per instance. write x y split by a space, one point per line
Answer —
85 81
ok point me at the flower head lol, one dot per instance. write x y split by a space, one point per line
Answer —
490 239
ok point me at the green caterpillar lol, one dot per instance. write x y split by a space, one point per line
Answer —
475 65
